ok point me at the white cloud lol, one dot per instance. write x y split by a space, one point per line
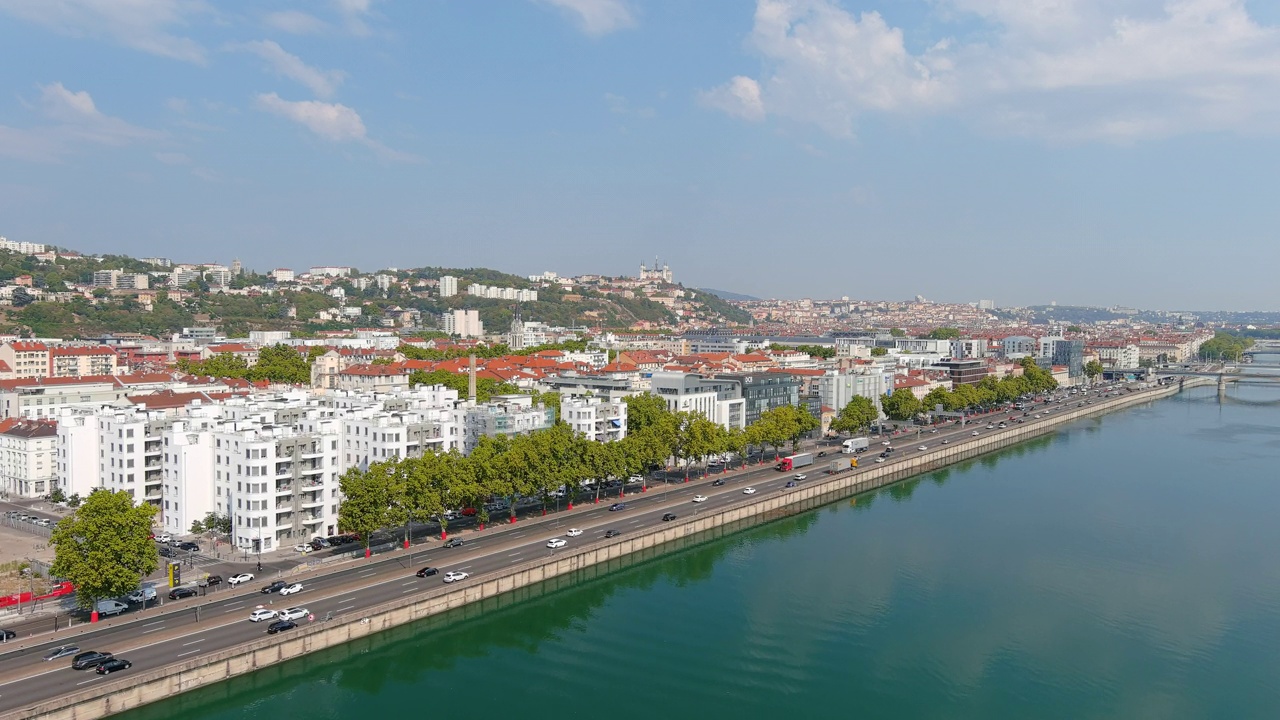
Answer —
739 97
296 22
353 14
76 120
1119 70
331 121
324 83
596 17
140 24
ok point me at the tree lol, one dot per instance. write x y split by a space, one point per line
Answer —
57 495
367 494
1092 369
879 352
944 333
901 405
197 527
897 332
281 364
1074 329
22 298
857 416
104 548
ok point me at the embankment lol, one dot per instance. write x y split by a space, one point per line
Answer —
542 576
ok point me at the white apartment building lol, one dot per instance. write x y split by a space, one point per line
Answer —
717 399
26 359
22 248
188 487
27 458
837 389
73 361
448 286
76 463
462 323
505 415
282 275
1117 355
594 418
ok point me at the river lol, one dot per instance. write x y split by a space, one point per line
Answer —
1125 567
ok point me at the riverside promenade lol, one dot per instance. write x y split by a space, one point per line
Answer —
42 695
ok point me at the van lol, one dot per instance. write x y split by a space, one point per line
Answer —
113 607
146 593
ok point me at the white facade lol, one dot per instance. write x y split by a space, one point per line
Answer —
76 466
188 489
595 419
27 458
448 286
836 390
462 323
1118 356
282 275
22 248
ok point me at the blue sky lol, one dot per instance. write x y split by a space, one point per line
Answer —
1080 151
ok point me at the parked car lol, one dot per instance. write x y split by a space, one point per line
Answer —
303 548
262 614
294 613
276 586
427 572
318 544
239 578
291 589
165 551
142 594
7 635
468 512
453 542
212 580
182 592
612 533
667 517
86 660
113 665
455 576
281 626
61 651
188 545
163 538
557 543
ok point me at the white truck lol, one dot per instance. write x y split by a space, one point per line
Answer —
110 607
853 445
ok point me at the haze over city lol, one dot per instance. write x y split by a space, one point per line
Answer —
1086 152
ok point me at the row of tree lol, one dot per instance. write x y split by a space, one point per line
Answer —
903 404
546 463
1225 346
277 363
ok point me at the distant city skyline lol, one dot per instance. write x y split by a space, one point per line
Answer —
1099 152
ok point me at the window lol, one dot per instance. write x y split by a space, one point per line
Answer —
129 433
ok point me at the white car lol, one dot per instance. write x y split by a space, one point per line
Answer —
291 589
887 442
879 459
699 498
294 613
922 448
455 576
241 578
262 614
974 433
304 549
557 543
164 538
749 491
799 476
946 442
573 532
635 479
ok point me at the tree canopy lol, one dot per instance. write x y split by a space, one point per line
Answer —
858 415
104 547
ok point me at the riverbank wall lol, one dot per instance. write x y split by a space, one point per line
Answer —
546 575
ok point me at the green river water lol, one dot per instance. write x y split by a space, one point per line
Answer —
1125 567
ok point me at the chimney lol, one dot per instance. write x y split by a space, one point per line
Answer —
471 380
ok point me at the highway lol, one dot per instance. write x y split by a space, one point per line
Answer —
155 637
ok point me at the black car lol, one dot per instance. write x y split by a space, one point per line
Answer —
424 572
617 506
113 665
666 517
717 482
276 586
188 545
7 635
822 453
92 658
166 551
792 483
317 545
453 542
211 581
182 592
613 533
281 625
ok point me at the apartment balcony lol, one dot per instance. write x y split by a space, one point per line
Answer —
312 520
284 469
313 503
283 489
312 470
308 454
152 464
153 496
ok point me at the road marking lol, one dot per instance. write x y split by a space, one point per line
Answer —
153 623
345 599
193 642
367 574
519 534
465 567
86 682
344 609
189 652
411 582
144 632
518 552
403 592
232 608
